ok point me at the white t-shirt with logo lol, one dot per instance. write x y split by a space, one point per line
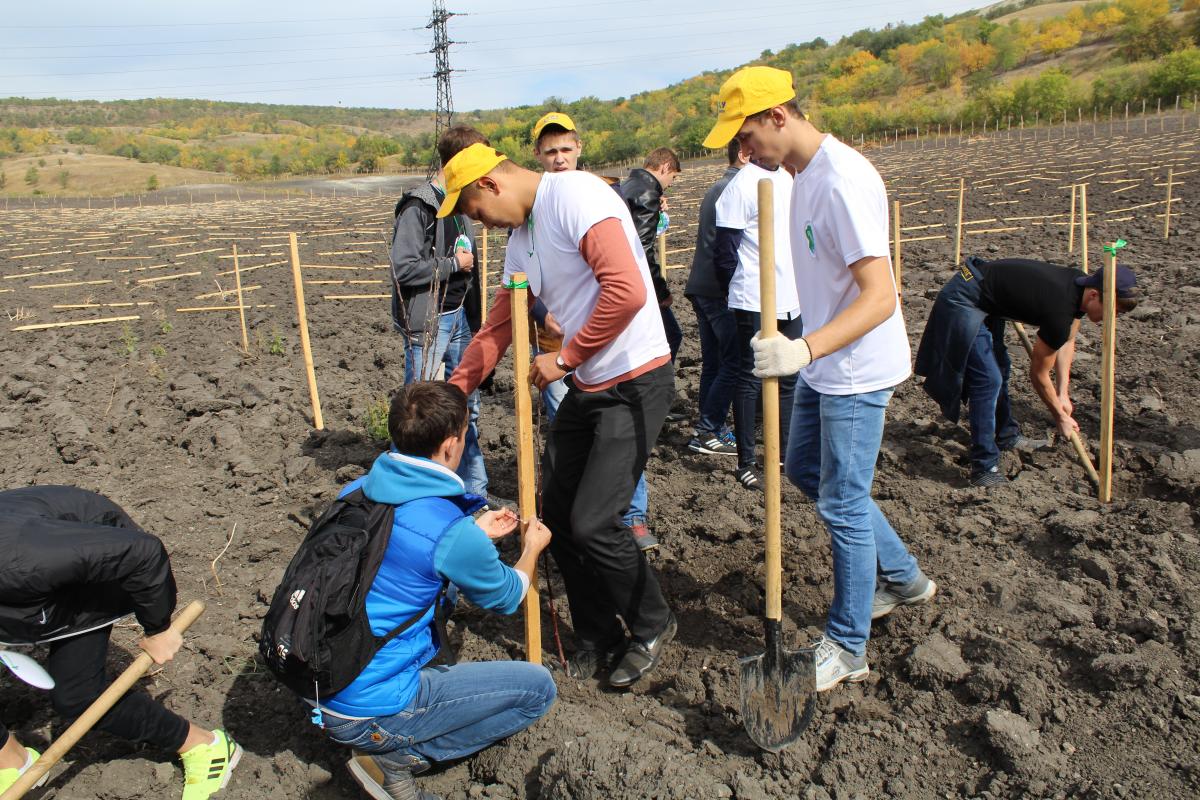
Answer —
737 208
839 216
546 249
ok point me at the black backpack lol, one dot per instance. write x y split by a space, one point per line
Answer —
316 638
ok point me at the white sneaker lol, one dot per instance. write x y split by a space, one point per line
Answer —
890 595
836 664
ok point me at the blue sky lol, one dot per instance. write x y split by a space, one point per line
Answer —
372 53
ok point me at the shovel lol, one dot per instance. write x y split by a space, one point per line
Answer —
779 687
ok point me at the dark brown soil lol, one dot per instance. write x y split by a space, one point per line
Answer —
1059 658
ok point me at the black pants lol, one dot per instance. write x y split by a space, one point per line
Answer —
598 446
749 388
77 666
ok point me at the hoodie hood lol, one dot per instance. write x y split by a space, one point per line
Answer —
396 479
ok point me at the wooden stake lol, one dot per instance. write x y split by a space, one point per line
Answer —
101 706
1083 226
1108 364
1071 229
1076 439
483 275
1167 215
526 484
662 252
958 236
305 346
896 245
237 277
45 325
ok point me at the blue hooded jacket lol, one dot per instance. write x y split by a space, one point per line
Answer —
433 539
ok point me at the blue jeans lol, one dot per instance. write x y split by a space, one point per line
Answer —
457 711
749 388
719 359
832 448
453 336
985 384
639 506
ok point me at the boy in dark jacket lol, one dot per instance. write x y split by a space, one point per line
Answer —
399 713
435 297
643 192
76 564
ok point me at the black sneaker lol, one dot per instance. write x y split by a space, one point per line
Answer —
749 478
712 445
641 657
1023 444
990 479
585 662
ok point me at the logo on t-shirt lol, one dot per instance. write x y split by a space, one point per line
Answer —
812 239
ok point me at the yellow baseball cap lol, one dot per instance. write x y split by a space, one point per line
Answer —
746 92
553 118
468 165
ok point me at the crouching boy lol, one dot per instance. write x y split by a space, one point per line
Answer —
400 714
76 563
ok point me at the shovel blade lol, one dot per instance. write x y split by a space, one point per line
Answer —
779 693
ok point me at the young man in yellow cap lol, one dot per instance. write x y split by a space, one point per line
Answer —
854 353
557 147
574 239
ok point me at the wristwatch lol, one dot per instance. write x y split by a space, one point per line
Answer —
558 362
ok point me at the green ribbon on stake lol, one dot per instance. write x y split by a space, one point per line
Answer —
521 285
1115 246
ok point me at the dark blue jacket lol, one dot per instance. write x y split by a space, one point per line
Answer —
949 334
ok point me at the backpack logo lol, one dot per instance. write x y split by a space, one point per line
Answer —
812 239
295 599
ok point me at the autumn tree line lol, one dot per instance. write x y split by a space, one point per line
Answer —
967 69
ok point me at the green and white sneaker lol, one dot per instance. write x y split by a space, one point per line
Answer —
836 664
9 776
208 767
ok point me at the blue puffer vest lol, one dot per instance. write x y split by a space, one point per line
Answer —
429 500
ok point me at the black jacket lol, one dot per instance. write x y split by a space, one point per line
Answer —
702 280
77 562
643 195
422 259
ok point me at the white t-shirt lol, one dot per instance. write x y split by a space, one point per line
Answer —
839 216
546 249
737 208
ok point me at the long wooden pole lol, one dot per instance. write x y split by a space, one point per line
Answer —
1108 365
1076 439
1083 226
662 252
958 234
1167 215
1071 229
896 245
237 278
773 558
305 346
101 706
526 482
483 274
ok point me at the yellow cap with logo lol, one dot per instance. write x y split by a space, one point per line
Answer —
746 92
553 118
468 165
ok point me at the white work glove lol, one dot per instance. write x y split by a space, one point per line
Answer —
778 355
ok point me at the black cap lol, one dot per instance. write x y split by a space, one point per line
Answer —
1126 280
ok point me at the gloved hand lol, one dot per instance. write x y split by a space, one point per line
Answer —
777 356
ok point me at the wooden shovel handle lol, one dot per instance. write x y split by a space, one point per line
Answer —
101 706
773 561
1076 439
